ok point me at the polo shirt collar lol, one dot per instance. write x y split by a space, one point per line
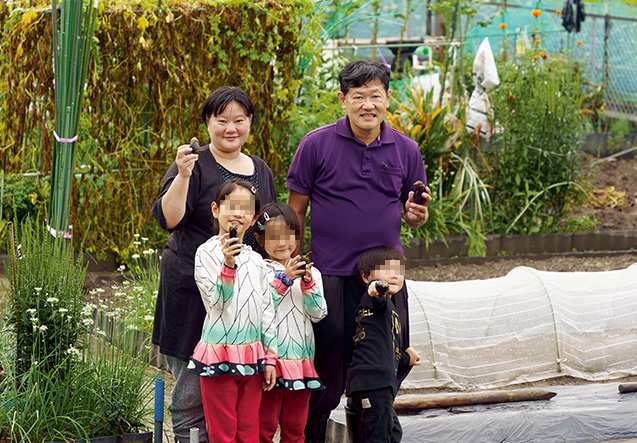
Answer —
344 129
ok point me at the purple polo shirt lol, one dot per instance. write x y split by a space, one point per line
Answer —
356 191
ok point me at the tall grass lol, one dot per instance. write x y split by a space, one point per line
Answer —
61 377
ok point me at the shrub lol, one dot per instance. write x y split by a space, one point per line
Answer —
533 159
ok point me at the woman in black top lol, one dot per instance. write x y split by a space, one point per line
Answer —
184 209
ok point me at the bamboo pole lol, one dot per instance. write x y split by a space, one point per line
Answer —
481 398
72 45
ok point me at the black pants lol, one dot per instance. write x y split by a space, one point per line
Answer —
335 345
377 419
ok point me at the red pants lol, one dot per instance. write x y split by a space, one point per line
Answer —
231 406
287 408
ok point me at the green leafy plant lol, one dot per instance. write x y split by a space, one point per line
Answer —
461 202
533 158
22 197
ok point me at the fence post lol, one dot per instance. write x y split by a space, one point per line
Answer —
159 408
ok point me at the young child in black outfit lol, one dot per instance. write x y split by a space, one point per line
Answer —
378 351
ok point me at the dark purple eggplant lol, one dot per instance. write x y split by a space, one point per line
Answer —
382 287
194 145
233 231
420 188
303 260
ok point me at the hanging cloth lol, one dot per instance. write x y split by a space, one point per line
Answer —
573 20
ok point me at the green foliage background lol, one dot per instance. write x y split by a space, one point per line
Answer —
153 67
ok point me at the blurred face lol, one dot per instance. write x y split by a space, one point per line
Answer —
280 240
392 271
230 129
366 107
238 209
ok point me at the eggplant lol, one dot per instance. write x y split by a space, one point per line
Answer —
420 188
194 145
303 260
382 287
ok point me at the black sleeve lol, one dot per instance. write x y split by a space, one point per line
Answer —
404 359
378 303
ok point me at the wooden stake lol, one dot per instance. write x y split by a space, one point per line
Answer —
446 401
628 387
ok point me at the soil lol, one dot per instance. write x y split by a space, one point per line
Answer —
613 204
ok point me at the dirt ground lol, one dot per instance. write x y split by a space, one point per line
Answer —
614 205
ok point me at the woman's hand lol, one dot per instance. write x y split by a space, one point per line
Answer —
185 160
230 247
270 378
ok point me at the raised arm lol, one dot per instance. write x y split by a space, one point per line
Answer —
173 203
214 278
299 202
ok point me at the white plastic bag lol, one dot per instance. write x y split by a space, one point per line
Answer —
485 77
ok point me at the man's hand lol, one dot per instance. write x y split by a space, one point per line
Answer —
270 378
416 215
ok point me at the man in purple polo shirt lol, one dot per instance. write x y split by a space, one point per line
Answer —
359 174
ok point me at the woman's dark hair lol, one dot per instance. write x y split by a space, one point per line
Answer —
374 258
227 188
216 102
360 72
270 212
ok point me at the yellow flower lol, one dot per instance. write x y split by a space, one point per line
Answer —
534 57
502 25
536 13
142 23
537 42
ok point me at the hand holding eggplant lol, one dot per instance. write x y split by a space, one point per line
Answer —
378 288
416 212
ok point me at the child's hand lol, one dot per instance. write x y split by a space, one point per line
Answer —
270 378
307 277
378 288
292 270
230 247
414 358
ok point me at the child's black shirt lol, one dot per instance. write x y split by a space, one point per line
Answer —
378 348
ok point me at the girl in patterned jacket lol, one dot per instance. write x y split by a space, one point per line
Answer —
238 340
298 301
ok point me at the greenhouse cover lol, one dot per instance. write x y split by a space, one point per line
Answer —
527 326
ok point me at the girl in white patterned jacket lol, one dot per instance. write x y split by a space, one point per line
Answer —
238 340
298 300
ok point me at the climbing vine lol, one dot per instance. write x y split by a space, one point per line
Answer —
153 66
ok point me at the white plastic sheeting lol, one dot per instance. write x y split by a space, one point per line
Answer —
529 325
